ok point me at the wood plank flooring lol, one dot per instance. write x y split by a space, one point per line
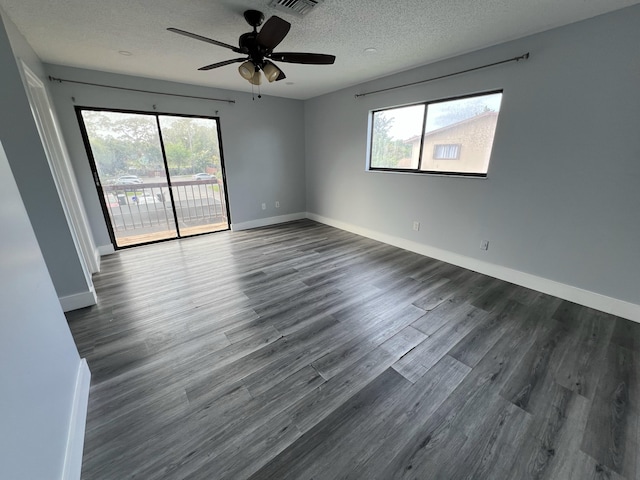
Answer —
304 352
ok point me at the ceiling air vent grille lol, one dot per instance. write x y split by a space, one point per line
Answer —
296 7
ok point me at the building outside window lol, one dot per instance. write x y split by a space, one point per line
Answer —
425 137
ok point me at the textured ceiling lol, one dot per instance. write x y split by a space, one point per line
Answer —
405 33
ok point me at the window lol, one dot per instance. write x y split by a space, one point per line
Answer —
393 133
425 137
446 152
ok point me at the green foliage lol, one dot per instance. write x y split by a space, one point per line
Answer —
191 145
385 151
177 156
124 143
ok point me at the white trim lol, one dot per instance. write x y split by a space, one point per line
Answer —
263 222
106 250
98 259
78 300
590 299
61 170
75 440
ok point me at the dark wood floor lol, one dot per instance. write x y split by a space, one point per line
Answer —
305 352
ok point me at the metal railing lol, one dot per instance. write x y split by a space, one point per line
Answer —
146 207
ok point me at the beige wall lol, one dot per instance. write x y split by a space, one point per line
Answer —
475 137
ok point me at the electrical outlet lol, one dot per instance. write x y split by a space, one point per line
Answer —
277 204
416 225
264 206
484 245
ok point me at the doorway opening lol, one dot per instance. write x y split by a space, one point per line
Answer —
158 176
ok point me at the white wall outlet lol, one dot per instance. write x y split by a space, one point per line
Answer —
416 225
484 245
277 204
264 206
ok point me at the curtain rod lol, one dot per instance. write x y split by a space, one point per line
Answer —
514 59
60 80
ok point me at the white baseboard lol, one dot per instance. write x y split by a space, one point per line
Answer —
75 440
106 250
78 300
263 222
590 299
98 259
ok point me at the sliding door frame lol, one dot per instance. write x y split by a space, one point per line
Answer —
96 178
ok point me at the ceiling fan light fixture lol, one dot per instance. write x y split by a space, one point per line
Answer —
256 79
257 46
271 72
247 70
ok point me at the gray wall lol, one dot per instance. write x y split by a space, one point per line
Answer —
561 199
38 359
30 167
21 141
263 140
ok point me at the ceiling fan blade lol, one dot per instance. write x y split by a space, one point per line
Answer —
282 76
204 39
222 64
306 58
273 32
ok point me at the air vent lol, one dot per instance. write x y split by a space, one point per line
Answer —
296 7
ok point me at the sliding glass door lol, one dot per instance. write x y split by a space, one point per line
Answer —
158 176
192 151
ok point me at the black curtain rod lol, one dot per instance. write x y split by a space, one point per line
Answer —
514 59
60 80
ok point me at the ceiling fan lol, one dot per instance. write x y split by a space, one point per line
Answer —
258 48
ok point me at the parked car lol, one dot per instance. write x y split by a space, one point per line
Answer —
128 180
203 176
147 199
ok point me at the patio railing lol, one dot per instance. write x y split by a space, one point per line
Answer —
146 208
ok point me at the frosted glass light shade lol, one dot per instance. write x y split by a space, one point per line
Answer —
271 72
247 70
256 79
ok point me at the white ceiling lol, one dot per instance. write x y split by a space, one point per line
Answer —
406 33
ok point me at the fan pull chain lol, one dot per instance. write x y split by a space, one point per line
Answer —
253 93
